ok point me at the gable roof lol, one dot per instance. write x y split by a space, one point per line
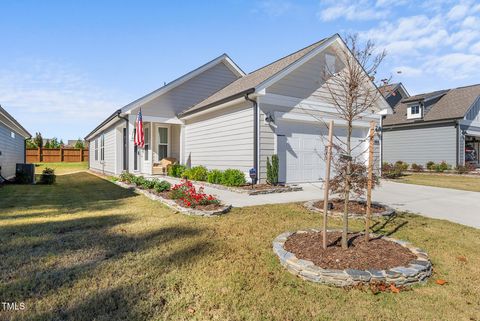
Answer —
14 123
387 90
450 104
247 83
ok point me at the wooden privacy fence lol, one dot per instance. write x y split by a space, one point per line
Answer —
56 155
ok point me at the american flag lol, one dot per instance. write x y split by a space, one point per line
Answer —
139 138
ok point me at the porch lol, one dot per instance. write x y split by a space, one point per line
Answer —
162 140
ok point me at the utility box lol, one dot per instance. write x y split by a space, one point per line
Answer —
25 173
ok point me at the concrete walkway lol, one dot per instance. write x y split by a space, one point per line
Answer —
454 205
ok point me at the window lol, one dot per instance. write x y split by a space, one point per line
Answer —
12 134
330 62
96 149
162 143
102 147
415 110
146 131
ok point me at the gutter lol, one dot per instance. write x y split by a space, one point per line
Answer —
255 136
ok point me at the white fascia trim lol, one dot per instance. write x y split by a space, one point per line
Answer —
404 90
11 125
209 110
234 67
469 122
310 119
163 120
106 126
15 130
298 63
177 82
295 102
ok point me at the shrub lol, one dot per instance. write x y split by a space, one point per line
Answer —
175 170
430 165
391 171
401 165
443 166
417 167
161 186
138 180
215 176
147 184
127 177
272 170
48 176
190 197
233 177
196 173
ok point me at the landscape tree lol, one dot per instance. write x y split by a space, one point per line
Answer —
38 140
79 143
54 143
353 95
31 143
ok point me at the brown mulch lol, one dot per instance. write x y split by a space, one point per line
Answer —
355 207
377 254
262 187
210 207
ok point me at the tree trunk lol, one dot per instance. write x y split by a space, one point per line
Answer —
346 194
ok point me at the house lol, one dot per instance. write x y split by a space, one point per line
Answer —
12 144
443 125
220 117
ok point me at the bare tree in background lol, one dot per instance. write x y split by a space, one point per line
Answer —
353 95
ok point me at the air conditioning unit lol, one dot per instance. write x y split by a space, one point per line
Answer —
25 173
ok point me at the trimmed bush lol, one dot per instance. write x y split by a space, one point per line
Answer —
430 165
401 165
215 176
442 167
465 169
196 173
161 186
138 180
148 184
48 176
272 170
176 170
233 177
417 168
391 171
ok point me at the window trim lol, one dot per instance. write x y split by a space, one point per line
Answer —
96 149
146 146
163 144
102 147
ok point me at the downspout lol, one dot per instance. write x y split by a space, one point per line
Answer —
255 136
127 163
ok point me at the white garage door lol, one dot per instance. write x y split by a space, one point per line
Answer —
301 150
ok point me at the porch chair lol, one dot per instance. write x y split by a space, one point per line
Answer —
162 167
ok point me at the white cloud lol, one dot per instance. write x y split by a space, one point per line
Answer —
458 12
43 94
455 65
475 48
350 10
274 8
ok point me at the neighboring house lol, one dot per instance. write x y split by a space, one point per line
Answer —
220 117
436 126
12 144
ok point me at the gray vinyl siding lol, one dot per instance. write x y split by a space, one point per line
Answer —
12 151
109 164
175 142
190 92
474 112
420 145
221 139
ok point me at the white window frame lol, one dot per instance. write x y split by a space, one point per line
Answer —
146 147
163 144
96 149
12 134
102 147
414 115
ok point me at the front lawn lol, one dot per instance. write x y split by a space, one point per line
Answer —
86 249
62 168
465 183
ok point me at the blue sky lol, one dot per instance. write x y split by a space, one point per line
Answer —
66 65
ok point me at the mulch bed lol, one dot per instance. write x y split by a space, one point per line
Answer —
377 254
210 207
262 187
353 206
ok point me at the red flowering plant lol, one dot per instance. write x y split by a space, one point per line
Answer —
186 193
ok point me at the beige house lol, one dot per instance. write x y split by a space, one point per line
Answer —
220 117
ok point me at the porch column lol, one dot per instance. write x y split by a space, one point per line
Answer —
182 144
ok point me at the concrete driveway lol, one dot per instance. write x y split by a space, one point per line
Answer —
454 205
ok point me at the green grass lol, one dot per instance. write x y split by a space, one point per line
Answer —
86 249
62 168
465 183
